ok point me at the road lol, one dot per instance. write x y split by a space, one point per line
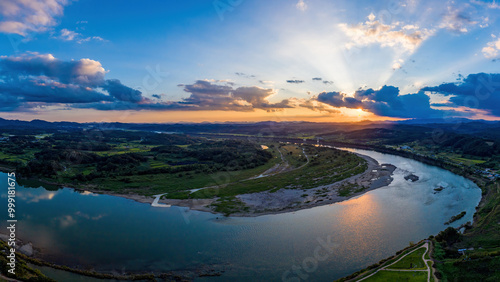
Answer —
425 245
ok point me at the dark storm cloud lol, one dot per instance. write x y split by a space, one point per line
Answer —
121 92
209 96
34 80
204 95
478 91
383 102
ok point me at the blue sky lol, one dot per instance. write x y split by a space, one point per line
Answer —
242 60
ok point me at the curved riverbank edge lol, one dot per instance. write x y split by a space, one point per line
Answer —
291 200
481 182
282 201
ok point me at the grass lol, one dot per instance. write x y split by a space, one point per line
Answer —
472 269
469 161
398 276
327 166
458 158
455 217
293 154
23 271
28 155
151 184
229 205
128 147
429 263
427 254
486 231
483 262
411 261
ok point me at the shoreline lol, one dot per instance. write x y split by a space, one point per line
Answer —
375 176
149 199
285 200
282 201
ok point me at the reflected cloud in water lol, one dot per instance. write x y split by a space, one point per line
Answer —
30 197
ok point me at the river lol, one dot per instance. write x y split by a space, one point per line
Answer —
321 244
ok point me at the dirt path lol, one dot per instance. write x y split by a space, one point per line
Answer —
281 167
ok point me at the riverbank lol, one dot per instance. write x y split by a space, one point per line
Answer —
175 211
272 202
290 200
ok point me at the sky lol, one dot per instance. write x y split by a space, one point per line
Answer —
244 61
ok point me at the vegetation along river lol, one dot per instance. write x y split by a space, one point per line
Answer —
322 243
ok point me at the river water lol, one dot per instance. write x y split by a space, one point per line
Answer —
321 244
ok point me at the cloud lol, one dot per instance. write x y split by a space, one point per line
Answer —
121 92
457 20
21 17
266 82
245 75
476 91
301 5
314 105
406 38
491 50
35 198
86 216
33 80
397 64
317 78
487 4
208 96
85 72
69 35
327 82
296 81
383 102
65 221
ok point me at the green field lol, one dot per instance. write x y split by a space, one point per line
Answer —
127 147
293 154
151 184
411 261
327 166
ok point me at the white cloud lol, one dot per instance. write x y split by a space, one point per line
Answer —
69 35
21 17
371 17
65 221
406 38
301 5
492 49
397 65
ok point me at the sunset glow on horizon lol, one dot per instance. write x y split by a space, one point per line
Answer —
249 61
